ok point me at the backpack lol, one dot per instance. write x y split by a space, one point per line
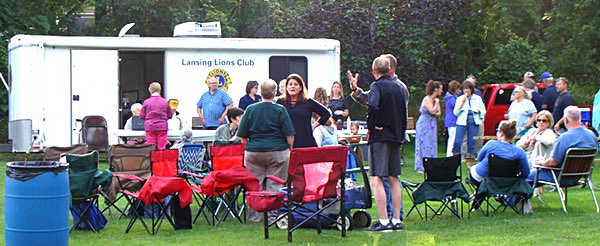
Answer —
93 216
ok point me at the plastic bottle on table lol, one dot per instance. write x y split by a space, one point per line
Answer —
348 123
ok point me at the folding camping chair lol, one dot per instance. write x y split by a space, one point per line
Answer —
53 153
193 168
443 183
191 158
156 189
577 165
127 160
504 184
313 176
85 182
217 185
409 188
94 132
225 160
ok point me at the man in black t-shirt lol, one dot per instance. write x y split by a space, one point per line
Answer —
386 121
563 101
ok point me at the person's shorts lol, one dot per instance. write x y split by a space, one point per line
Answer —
384 159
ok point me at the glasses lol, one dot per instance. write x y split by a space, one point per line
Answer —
542 120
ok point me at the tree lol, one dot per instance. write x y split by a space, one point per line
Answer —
572 46
510 60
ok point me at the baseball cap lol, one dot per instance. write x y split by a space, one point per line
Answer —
528 74
545 75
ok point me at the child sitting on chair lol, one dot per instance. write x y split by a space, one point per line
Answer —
155 112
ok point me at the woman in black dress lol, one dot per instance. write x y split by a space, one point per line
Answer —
300 108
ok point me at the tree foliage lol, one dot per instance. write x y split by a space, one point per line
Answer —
443 40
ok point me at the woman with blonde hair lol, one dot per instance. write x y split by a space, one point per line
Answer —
155 112
538 142
337 103
321 96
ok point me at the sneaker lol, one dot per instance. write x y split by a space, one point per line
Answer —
398 226
378 227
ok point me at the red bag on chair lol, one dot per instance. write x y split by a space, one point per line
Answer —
263 201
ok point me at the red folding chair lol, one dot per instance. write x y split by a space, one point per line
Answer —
224 184
314 174
163 183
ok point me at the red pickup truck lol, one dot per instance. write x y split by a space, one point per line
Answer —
496 98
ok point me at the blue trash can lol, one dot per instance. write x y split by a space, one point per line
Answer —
36 203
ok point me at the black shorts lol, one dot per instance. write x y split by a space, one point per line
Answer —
384 159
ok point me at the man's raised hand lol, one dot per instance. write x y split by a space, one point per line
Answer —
352 79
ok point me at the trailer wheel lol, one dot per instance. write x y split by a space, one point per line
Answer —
362 218
349 222
282 222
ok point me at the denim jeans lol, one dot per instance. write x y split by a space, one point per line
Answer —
388 194
471 129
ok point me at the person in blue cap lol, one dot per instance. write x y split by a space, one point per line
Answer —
550 94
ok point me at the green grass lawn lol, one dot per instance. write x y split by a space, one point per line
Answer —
548 225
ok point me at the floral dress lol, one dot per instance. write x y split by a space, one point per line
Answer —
426 138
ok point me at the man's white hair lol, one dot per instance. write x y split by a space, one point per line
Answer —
572 113
136 106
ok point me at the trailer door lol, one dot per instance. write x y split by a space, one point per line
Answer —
94 88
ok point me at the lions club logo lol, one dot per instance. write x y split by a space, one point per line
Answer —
222 76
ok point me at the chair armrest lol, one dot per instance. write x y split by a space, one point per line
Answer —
545 167
408 184
127 176
191 174
276 179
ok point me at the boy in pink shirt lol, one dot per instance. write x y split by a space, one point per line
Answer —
156 112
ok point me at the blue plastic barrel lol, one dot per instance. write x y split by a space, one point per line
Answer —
36 203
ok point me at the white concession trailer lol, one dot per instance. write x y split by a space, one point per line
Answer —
55 81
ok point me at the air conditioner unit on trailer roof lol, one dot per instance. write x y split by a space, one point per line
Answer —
197 29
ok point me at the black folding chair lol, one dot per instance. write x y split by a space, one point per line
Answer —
505 184
409 188
443 183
